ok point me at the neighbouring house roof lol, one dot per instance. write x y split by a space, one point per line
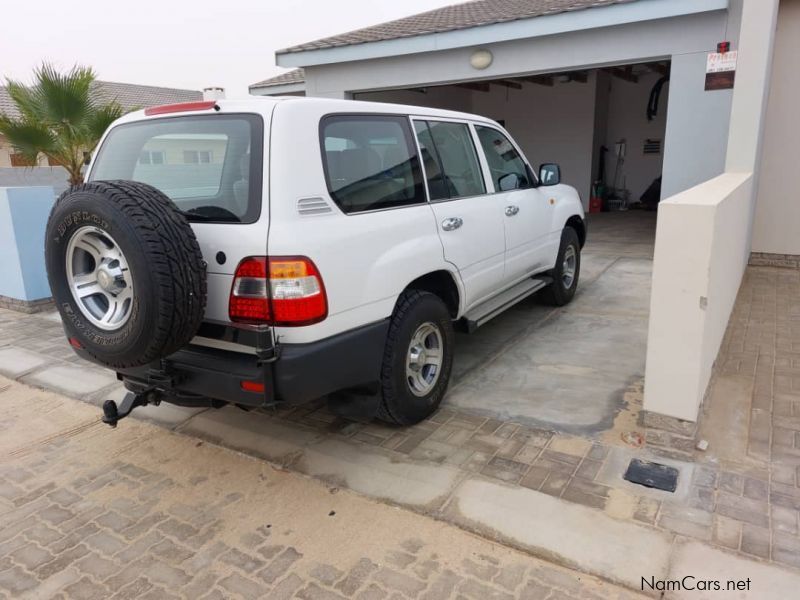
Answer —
449 18
288 78
131 96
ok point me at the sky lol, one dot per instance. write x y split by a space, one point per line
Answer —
178 43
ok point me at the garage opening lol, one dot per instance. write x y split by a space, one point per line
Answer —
605 127
577 369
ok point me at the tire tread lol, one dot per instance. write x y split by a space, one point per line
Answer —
174 258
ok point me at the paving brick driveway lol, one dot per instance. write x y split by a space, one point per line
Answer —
742 496
86 512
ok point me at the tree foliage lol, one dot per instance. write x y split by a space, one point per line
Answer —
60 117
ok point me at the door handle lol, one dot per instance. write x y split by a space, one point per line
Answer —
511 210
452 223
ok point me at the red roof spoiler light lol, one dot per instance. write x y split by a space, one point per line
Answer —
181 107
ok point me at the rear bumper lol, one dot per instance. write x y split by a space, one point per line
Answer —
289 373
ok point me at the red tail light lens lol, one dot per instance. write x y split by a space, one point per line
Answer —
278 290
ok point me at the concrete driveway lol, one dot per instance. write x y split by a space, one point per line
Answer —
568 368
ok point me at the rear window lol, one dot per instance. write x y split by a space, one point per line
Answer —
370 162
210 166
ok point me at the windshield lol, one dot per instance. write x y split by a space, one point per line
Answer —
210 165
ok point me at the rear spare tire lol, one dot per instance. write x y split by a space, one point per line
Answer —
125 271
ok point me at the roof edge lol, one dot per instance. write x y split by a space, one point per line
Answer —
590 18
276 89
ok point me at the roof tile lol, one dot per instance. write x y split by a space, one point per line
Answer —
449 18
293 76
129 95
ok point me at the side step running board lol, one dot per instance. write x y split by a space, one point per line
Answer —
494 306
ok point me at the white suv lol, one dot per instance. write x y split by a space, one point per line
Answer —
271 251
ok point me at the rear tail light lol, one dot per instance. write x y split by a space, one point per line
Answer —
278 290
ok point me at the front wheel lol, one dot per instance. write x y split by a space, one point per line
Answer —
567 270
418 359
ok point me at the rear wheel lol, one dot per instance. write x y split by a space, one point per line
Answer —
418 359
567 270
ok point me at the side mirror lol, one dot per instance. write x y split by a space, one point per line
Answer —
550 174
508 182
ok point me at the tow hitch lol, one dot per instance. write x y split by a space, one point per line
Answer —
113 413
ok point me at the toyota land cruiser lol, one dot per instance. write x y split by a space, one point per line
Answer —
271 251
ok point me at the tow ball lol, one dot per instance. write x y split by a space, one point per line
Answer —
113 413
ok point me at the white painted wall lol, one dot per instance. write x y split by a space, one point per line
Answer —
698 264
551 124
697 125
565 123
626 118
448 97
777 217
703 239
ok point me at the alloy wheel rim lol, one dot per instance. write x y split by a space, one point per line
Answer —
424 359
99 278
568 267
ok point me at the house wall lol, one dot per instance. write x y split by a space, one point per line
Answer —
626 119
777 215
697 126
6 151
551 124
451 98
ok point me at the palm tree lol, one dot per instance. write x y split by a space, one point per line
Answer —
59 117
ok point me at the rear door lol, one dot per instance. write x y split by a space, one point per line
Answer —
470 222
527 212
211 166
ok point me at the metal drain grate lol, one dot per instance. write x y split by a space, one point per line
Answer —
652 475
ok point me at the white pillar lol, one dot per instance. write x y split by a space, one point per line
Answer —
751 91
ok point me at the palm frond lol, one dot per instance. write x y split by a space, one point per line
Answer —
65 98
100 118
29 138
28 103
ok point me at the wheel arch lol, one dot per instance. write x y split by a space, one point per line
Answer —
441 283
578 224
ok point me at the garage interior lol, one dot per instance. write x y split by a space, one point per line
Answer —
578 369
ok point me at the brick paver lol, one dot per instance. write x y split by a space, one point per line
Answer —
750 505
86 512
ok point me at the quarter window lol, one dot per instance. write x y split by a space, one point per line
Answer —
370 162
503 158
451 163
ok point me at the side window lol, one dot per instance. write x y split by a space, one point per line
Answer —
370 162
505 163
451 163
